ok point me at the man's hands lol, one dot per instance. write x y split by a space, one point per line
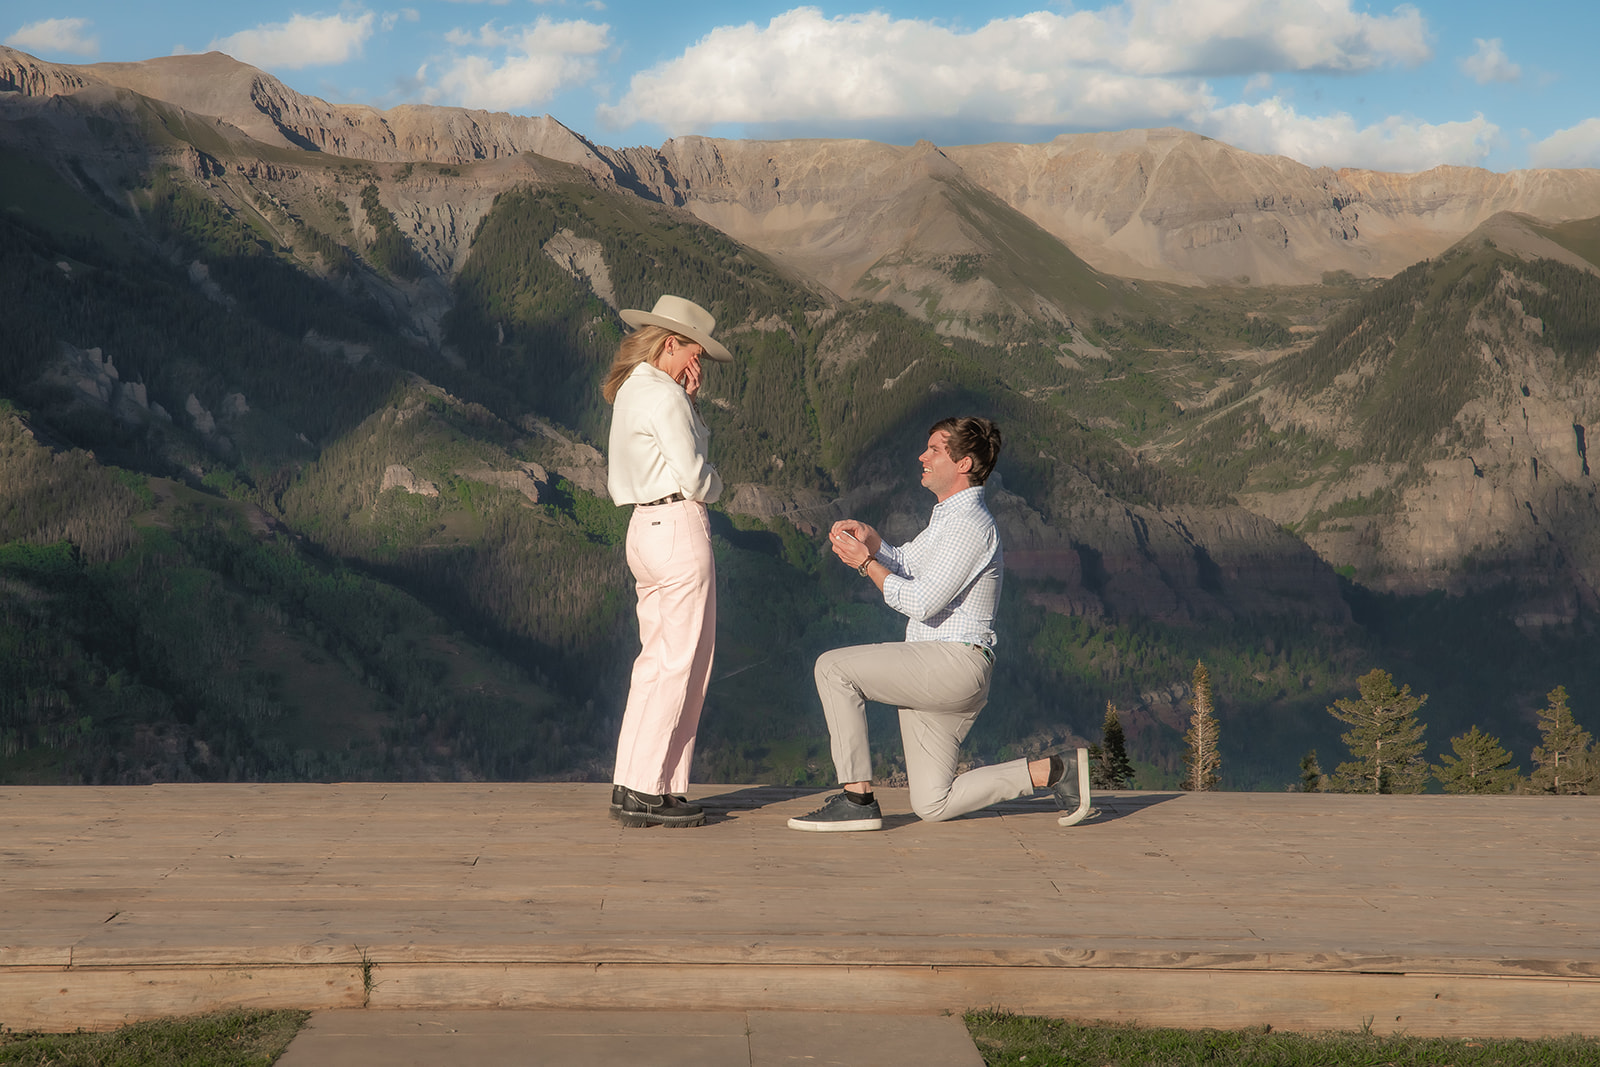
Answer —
854 542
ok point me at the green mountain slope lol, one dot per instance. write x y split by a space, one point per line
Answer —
302 483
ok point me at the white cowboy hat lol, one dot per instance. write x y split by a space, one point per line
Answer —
685 317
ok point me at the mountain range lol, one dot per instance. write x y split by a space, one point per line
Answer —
1257 412
1158 205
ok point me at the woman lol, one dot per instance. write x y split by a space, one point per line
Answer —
658 464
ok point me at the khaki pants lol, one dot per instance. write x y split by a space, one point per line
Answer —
669 552
939 687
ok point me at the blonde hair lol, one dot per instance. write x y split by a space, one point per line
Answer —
643 345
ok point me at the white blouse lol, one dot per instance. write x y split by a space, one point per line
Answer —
658 442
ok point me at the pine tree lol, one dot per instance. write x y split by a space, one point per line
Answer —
1097 767
1588 769
1202 759
1387 739
1116 770
1310 773
1480 765
1564 763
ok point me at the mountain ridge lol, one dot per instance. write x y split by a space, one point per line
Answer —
1156 205
1443 425
265 109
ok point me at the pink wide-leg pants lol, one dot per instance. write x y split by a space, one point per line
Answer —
669 552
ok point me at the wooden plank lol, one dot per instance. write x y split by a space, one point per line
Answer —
1422 1005
103 999
203 878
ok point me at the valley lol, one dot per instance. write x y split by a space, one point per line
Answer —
303 447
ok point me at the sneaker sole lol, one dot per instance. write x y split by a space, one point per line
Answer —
614 812
1073 818
836 827
672 822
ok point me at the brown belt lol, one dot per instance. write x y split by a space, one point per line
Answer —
672 498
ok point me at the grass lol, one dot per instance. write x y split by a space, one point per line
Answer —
1006 1040
258 1038
1029 260
1581 236
223 1039
43 198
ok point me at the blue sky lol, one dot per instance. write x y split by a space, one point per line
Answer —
1327 82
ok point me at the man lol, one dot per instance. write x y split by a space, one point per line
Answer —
947 583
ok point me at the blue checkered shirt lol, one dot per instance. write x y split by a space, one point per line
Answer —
946 581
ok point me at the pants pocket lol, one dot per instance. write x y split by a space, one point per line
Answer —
652 543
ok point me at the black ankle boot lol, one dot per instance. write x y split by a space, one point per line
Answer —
658 809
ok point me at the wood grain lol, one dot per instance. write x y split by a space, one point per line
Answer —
1303 912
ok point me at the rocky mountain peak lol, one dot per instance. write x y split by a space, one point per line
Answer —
1159 204
266 110
21 73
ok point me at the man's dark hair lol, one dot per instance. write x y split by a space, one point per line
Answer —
971 435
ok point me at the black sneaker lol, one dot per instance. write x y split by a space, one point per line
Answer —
617 792
840 813
658 809
1072 788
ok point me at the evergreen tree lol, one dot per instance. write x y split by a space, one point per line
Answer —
1589 769
1310 773
1114 767
1480 765
1564 763
1387 739
1097 767
1202 759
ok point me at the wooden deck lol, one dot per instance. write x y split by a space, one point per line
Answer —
1427 914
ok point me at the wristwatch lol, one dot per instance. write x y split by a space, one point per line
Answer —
862 570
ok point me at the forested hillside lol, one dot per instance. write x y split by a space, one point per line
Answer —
291 490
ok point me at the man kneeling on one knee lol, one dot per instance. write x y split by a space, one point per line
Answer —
947 583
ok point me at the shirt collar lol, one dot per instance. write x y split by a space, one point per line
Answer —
972 494
649 369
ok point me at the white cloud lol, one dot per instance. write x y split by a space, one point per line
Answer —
1248 36
391 19
1395 144
1490 64
804 67
1575 146
51 36
1258 83
303 41
529 64
1138 61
